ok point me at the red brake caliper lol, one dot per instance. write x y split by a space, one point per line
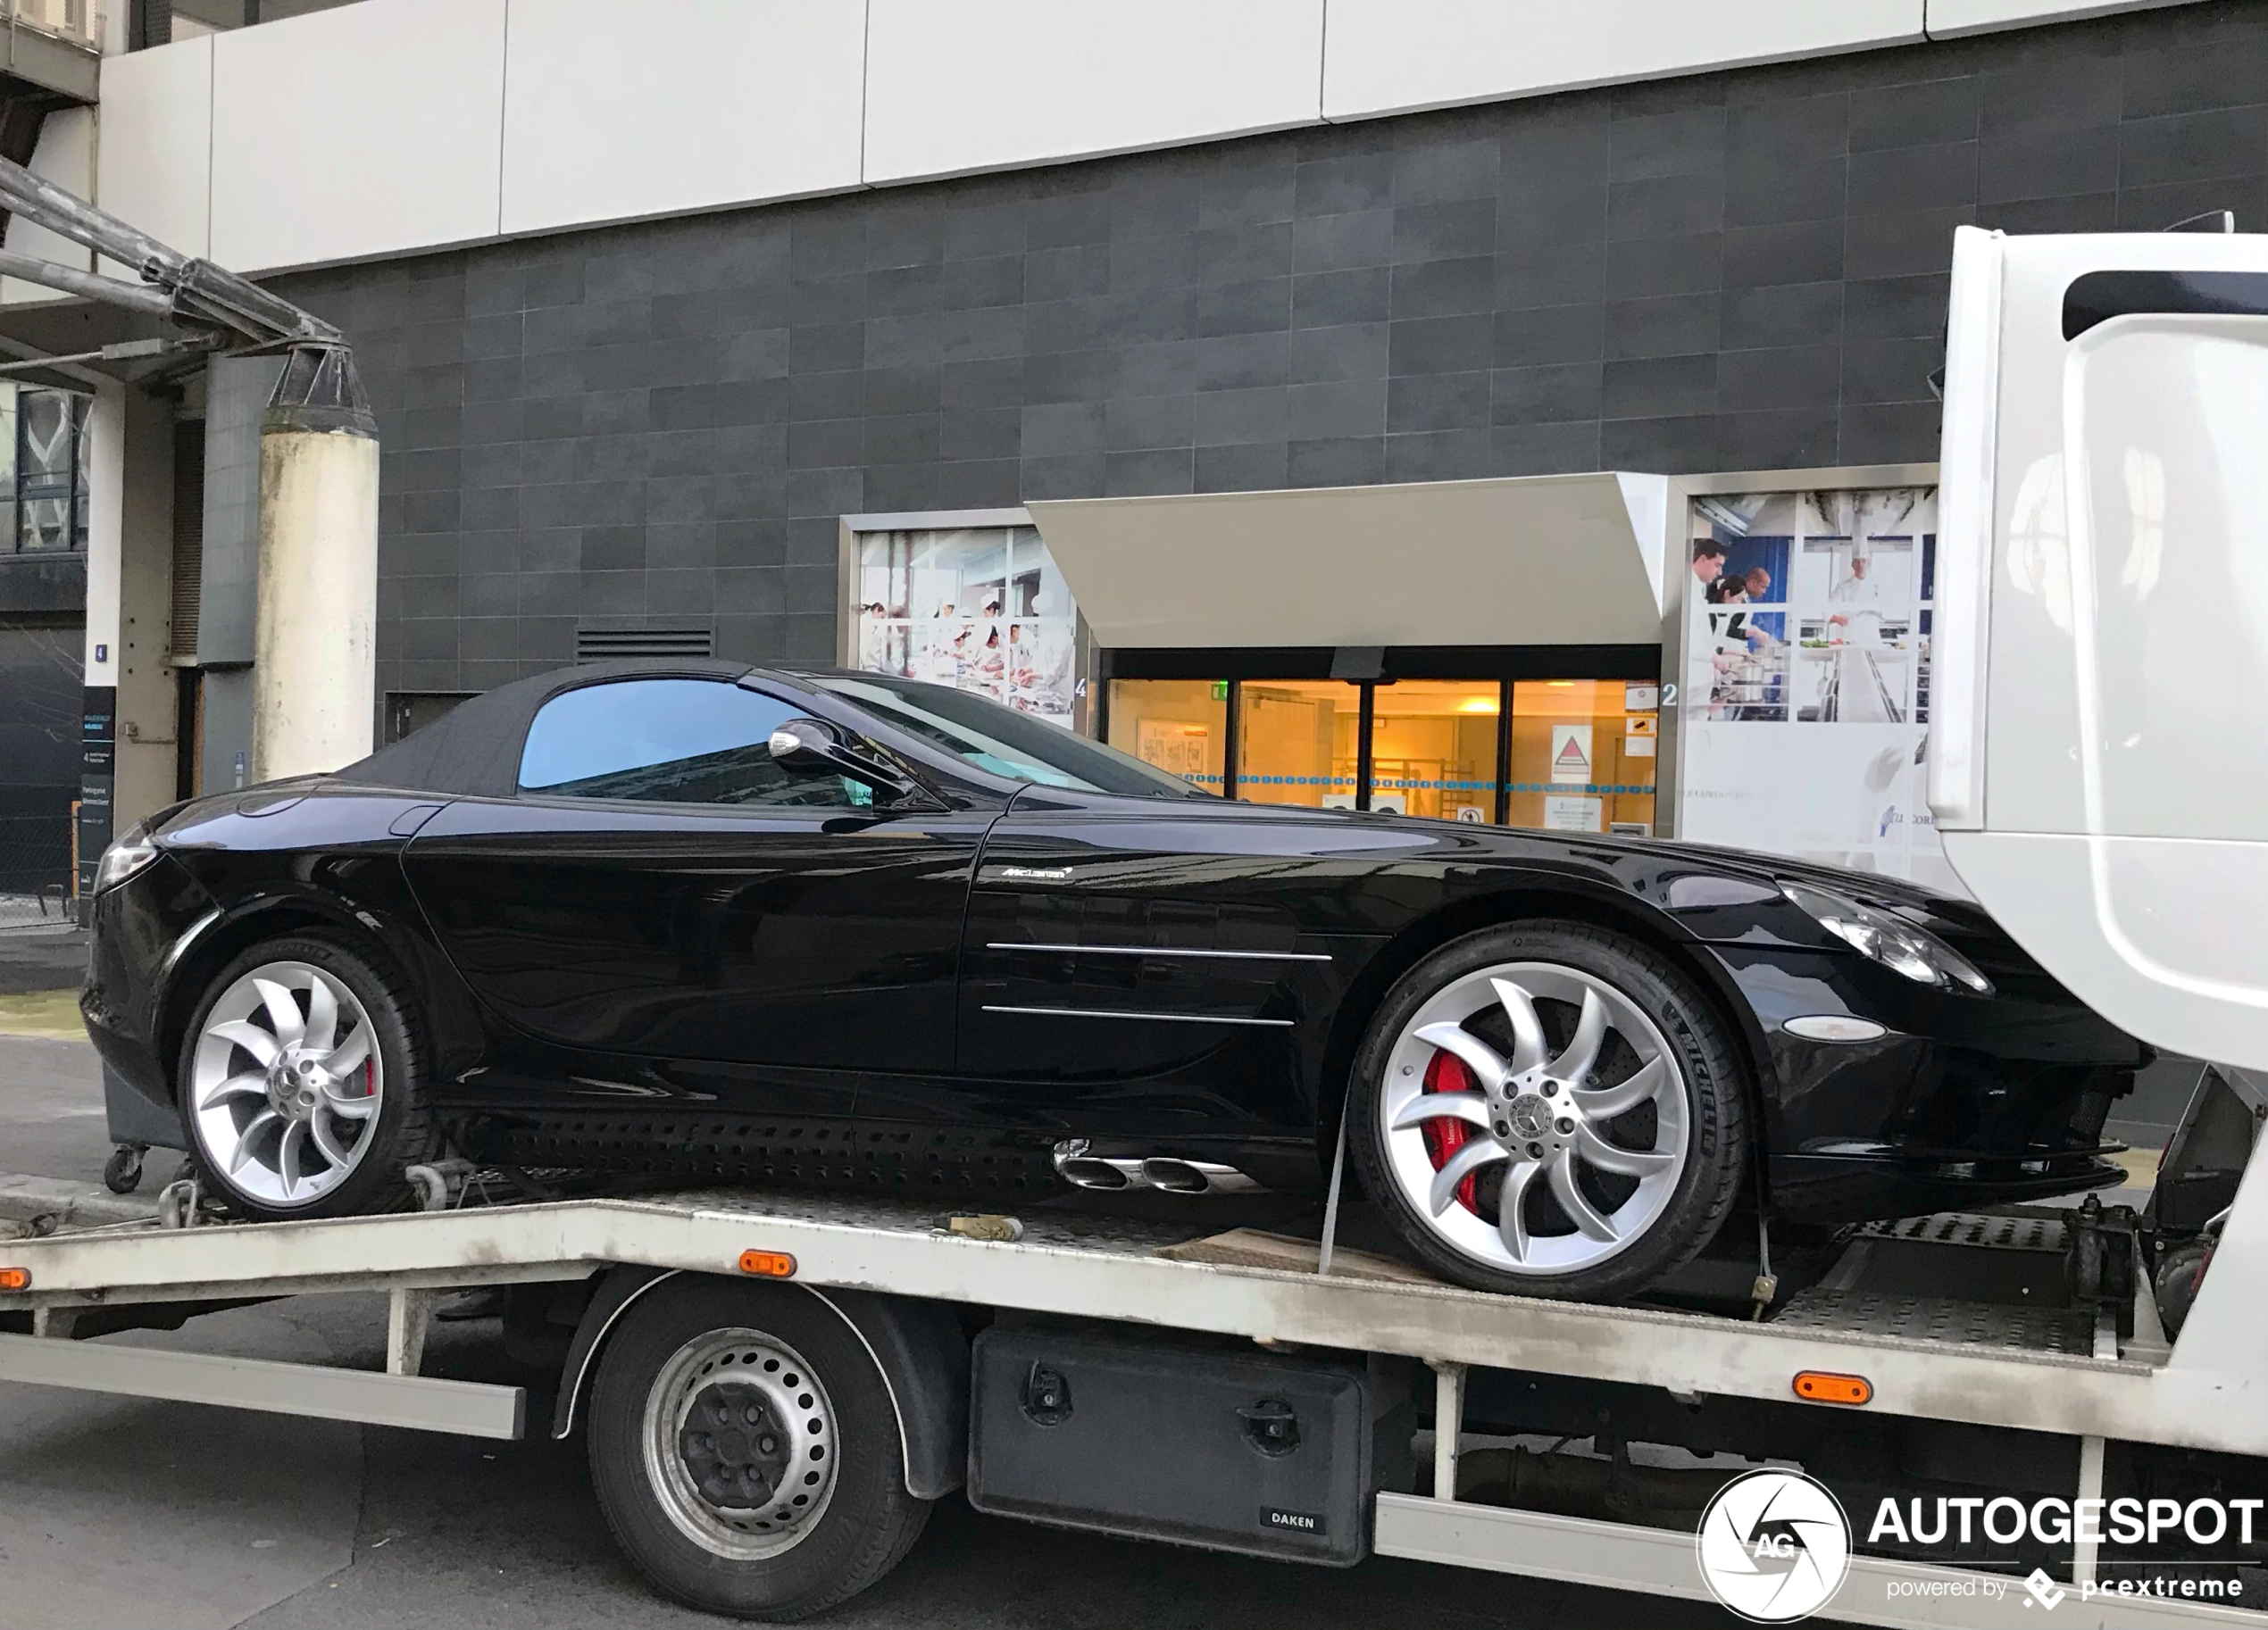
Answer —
1443 1135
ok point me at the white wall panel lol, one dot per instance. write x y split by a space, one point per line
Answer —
1948 18
1394 56
995 84
698 103
66 155
153 164
370 129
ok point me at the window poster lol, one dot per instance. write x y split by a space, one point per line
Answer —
1808 677
982 610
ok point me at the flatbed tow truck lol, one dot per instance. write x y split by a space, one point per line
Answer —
1138 1369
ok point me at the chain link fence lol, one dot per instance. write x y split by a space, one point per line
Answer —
35 870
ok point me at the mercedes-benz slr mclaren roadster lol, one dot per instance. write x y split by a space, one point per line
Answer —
716 924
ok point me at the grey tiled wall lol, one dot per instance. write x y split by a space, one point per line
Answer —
661 423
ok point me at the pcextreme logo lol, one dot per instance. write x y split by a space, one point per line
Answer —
1774 1546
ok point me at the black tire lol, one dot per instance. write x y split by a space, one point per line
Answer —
869 1521
1698 1044
402 1134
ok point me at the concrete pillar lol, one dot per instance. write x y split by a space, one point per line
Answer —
315 643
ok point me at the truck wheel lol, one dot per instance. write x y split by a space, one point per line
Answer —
301 1081
745 1451
1549 1109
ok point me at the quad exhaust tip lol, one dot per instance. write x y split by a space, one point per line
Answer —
1169 1173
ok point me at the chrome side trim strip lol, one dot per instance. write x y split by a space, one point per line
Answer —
1160 950
1171 1019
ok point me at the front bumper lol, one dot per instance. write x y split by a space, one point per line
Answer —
1963 1101
139 930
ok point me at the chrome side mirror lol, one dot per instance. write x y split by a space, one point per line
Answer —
813 748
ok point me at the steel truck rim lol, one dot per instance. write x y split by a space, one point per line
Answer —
739 1442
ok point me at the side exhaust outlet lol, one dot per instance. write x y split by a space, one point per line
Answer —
1172 1175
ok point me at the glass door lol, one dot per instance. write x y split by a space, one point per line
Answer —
1583 756
1298 742
1434 749
1180 725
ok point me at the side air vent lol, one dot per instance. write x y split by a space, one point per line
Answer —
606 645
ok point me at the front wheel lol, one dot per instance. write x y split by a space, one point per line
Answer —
1550 1109
746 1451
301 1082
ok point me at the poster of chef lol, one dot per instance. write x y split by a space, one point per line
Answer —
1808 677
982 610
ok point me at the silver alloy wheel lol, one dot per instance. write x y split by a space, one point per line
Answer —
739 1442
286 1083
1542 1117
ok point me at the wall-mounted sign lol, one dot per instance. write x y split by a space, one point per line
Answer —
1571 754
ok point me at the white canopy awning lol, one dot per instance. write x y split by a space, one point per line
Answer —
1535 560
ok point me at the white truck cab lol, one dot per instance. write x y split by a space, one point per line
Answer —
2098 765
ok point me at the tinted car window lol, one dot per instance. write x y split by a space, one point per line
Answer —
675 741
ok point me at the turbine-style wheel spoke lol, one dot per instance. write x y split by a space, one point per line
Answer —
287 1152
1471 1157
1479 1056
335 1152
1643 1085
351 1054
1580 1211
1583 1049
322 1016
283 1012
251 1037
354 1106
1528 1044
1512 1207
1629 1162
251 1134
1469 1107
253 1083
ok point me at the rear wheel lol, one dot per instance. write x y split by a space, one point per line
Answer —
1550 1109
746 1451
301 1083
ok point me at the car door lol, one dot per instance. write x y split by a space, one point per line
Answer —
1138 967
660 887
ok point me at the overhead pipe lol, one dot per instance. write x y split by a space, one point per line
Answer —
316 612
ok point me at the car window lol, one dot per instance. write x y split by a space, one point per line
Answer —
671 741
1002 741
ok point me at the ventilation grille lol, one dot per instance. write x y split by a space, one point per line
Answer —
606 645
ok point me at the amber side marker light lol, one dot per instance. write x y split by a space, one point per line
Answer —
15 1279
771 1264
1825 1386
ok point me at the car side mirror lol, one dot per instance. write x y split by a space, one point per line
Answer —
812 747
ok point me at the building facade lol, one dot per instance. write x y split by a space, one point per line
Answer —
876 270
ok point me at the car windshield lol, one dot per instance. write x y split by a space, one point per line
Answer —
1002 741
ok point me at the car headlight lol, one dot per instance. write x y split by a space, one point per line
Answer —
131 852
1895 944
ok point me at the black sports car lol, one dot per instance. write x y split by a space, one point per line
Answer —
699 921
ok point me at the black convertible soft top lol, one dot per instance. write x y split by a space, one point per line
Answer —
474 749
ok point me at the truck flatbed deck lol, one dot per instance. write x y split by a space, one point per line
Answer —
2037 1369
